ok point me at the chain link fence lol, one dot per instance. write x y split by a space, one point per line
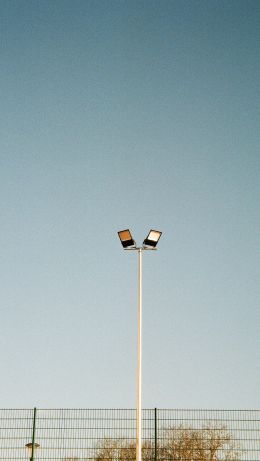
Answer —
109 435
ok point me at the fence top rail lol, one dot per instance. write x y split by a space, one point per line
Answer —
225 410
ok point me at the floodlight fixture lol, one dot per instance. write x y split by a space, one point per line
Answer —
30 448
126 238
152 238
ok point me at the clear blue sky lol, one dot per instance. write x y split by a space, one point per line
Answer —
139 114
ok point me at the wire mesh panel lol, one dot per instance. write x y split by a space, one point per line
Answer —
15 433
207 435
70 435
109 435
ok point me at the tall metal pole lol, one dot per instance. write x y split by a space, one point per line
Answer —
149 243
139 364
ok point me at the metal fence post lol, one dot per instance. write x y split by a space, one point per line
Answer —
155 434
33 433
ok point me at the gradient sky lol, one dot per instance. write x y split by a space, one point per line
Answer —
129 114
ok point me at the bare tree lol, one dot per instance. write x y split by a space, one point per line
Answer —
205 444
175 444
122 450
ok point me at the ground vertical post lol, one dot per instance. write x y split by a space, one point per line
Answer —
33 433
155 434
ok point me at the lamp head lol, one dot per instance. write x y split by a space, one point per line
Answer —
152 238
126 238
30 447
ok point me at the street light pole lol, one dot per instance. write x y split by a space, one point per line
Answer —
139 364
129 244
32 445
